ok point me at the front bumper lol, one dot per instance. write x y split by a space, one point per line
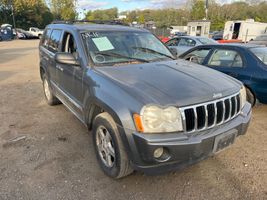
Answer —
181 149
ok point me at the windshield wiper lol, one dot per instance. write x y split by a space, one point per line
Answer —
122 56
153 51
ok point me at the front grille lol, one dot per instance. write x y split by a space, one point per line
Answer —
207 115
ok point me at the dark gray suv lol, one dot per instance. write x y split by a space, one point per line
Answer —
146 110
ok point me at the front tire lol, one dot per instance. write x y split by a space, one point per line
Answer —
49 96
109 148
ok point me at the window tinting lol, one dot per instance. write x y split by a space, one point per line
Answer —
226 58
55 40
46 37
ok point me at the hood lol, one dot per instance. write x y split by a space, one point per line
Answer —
176 82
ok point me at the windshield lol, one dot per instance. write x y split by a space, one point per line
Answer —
261 53
112 48
207 41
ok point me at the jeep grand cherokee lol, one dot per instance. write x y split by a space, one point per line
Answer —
146 110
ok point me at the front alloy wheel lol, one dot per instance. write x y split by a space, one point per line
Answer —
105 146
109 147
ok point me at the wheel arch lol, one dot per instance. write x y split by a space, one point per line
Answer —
96 107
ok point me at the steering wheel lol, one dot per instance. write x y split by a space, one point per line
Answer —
194 59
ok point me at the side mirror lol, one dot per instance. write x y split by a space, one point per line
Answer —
174 52
67 59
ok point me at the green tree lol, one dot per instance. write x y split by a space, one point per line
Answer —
63 9
107 14
28 13
198 10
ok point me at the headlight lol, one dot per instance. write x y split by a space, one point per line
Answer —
154 119
243 96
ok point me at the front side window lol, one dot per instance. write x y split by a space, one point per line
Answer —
117 47
69 45
187 42
197 56
172 42
55 40
261 53
225 58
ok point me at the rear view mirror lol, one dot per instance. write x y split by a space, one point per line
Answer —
66 58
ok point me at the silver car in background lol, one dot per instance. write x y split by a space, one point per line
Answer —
260 40
184 43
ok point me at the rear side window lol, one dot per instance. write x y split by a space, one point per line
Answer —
225 58
187 42
55 40
46 37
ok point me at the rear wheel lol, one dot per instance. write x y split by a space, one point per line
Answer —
109 148
49 96
250 97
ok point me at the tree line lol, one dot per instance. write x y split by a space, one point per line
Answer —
218 14
36 13
41 12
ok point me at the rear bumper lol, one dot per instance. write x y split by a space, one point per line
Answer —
181 150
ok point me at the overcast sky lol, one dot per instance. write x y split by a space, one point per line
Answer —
123 5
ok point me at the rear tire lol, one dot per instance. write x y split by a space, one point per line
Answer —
109 148
51 99
250 97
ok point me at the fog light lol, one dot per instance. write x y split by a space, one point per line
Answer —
158 152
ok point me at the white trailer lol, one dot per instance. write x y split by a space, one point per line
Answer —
199 28
243 30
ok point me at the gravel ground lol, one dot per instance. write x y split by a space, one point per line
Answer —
46 153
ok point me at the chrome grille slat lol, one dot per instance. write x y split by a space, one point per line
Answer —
195 114
206 117
230 109
211 112
215 115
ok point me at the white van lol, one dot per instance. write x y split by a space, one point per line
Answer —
243 30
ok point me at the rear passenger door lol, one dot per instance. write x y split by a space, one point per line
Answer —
45 57
53 47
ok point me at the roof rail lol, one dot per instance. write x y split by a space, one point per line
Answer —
107 22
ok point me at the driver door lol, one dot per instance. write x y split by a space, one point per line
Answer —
70 77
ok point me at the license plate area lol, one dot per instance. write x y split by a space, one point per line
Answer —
225 140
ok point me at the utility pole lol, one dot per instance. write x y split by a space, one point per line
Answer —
11 3
207 9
